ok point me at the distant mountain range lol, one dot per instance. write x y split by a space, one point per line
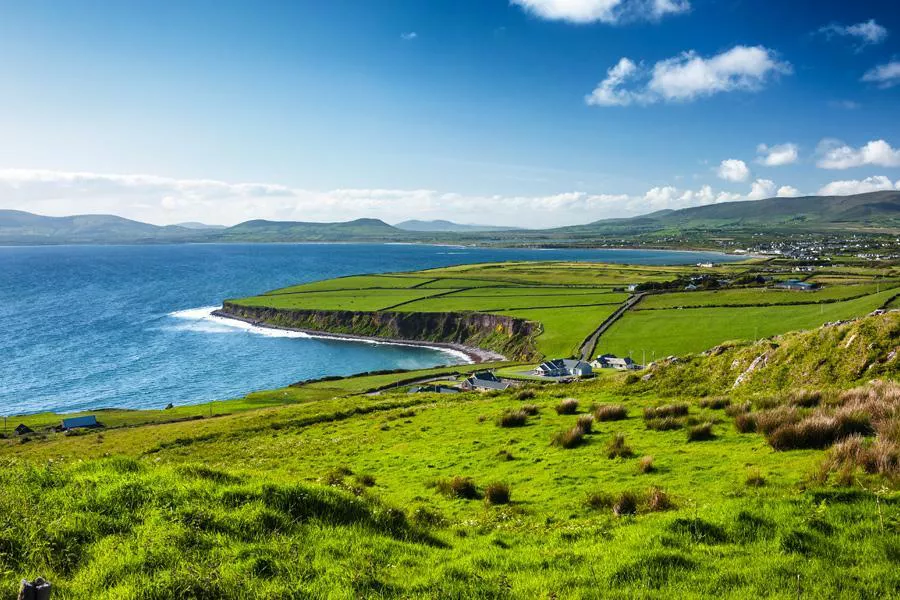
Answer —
874 212
440 226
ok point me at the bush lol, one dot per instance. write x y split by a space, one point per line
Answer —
626 504
525 394
530 409
715 403
569 406
645 464
617 448
568 438
667 424
700 433
513 418
668 410
496 493
585 423
458 487
610 412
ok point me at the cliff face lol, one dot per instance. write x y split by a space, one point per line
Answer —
512 337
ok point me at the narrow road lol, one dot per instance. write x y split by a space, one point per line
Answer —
587 348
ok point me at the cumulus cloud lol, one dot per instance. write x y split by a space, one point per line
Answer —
409 35
733 170
864 34
834 154
884 76
761 188
687 77
603 11
787 191
776 156
859 186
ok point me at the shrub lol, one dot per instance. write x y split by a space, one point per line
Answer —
569 406
585 423
658 500
525 394
568 438
666 424
496 493
626 504
617 448
715 403
458 487
700 433
668 410
755 478
513 418
805 398
610 412
645 464
530 409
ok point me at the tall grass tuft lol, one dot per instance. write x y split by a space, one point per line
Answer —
513 418
610 412
645 465
665 424
668 410
715 403
458 487
617 448
568 406
568 438
585 423
496 493
700 433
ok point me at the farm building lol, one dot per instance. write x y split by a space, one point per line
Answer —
796 285
564 367
484 380
434 389
80 422
23 429
611 361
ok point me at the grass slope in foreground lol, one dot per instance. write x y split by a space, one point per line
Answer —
399 496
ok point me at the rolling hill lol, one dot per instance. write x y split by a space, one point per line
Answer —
441 226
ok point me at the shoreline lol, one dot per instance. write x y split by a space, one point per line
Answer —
473 355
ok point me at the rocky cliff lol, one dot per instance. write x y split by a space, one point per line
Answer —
509 336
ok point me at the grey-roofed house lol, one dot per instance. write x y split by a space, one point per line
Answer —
796 285
434 389
80 422
484 380
564 367
611 361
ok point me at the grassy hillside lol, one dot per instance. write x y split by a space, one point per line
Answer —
480 496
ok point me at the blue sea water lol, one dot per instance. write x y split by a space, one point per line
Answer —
85 327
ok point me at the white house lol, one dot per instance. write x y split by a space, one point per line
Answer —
564 367
611 361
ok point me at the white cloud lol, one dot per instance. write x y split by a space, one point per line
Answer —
603 11
776 156
845 104
733 170
409 35
761 188
788 191
865 33
884 76
687 77
837 155
856 186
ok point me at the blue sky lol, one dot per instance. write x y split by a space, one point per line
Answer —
523 112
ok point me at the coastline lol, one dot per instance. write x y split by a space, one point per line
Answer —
472 355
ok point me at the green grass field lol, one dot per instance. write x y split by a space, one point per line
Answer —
760 296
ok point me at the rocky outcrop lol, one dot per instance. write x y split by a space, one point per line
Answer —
509 336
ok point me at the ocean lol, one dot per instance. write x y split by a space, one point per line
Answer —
86 327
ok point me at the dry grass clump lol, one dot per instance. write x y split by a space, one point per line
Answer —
734 410
568 438
505 455
617 448
666 424
629 503
805 398
513 418
585 423
715 403
496 493
568 406
525 394
668 410
365 479
458 487
820 430
610 412
530 409
881 456
755 478
700 433
645 464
